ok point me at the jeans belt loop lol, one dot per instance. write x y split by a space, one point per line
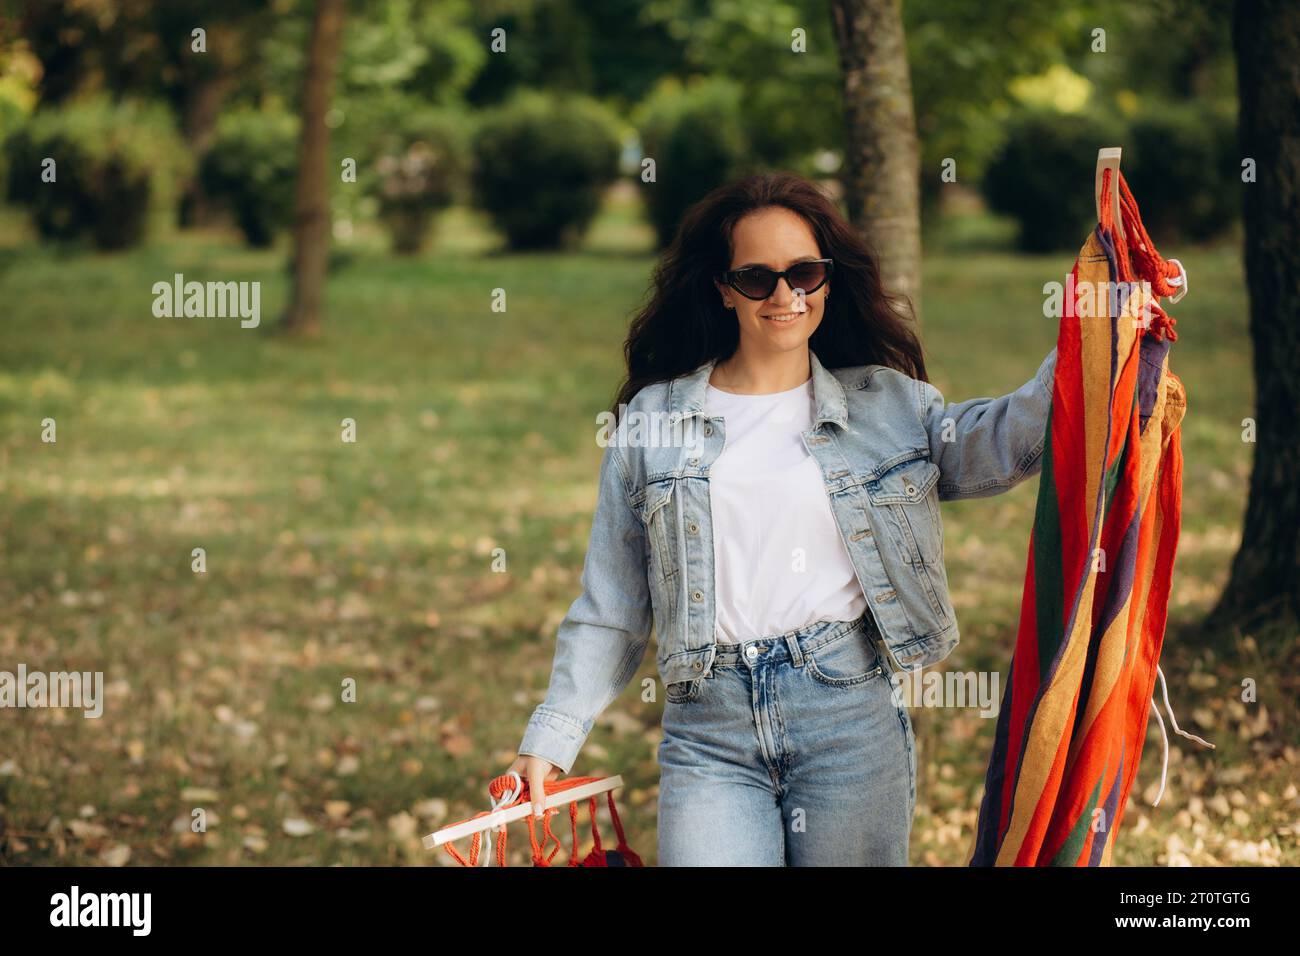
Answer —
796 654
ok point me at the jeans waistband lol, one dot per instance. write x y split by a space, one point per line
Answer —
792 645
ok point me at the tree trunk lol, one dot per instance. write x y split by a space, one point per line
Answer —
200 109
1263 592
882 157
311 205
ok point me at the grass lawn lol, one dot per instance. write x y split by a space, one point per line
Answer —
372 560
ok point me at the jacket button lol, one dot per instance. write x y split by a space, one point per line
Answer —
751 652
698 665
692 461
708 430
697 595
692 527
911 489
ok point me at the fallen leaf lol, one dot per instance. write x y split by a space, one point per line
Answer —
297 827
116 855
255 843
347 765
402 825
85 830
432 809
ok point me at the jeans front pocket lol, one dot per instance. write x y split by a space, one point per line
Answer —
683 691
847 660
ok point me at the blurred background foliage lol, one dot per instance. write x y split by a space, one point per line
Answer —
1000 87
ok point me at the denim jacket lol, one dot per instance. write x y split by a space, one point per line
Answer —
890 449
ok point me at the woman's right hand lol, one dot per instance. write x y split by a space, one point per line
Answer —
536 772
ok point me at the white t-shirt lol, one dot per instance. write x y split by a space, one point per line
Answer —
780 561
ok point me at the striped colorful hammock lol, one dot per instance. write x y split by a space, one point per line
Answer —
1092 621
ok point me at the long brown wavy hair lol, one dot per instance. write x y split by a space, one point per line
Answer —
685 323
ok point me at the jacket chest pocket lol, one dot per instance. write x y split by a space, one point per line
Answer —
659 513
906 498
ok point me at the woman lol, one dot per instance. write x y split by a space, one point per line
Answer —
784 544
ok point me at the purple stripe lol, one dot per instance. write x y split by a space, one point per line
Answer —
1151 355
1111 809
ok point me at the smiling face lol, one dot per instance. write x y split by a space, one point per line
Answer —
776 238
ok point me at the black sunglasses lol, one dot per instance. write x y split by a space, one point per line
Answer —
759 282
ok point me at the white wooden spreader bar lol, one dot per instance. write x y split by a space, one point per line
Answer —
1108 157
493 820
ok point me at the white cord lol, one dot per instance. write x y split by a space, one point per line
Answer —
1164 737
507 798
1172 719
1164 764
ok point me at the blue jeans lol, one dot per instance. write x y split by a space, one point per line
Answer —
791 752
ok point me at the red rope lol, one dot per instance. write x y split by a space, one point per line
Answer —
1136 253
629 857
502 785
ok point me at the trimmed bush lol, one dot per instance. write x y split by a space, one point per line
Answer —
250 168
1043 177
14 110
417 172
1182 163
697 140
118 167
541 165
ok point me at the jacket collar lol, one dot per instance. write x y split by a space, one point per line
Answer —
686 393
